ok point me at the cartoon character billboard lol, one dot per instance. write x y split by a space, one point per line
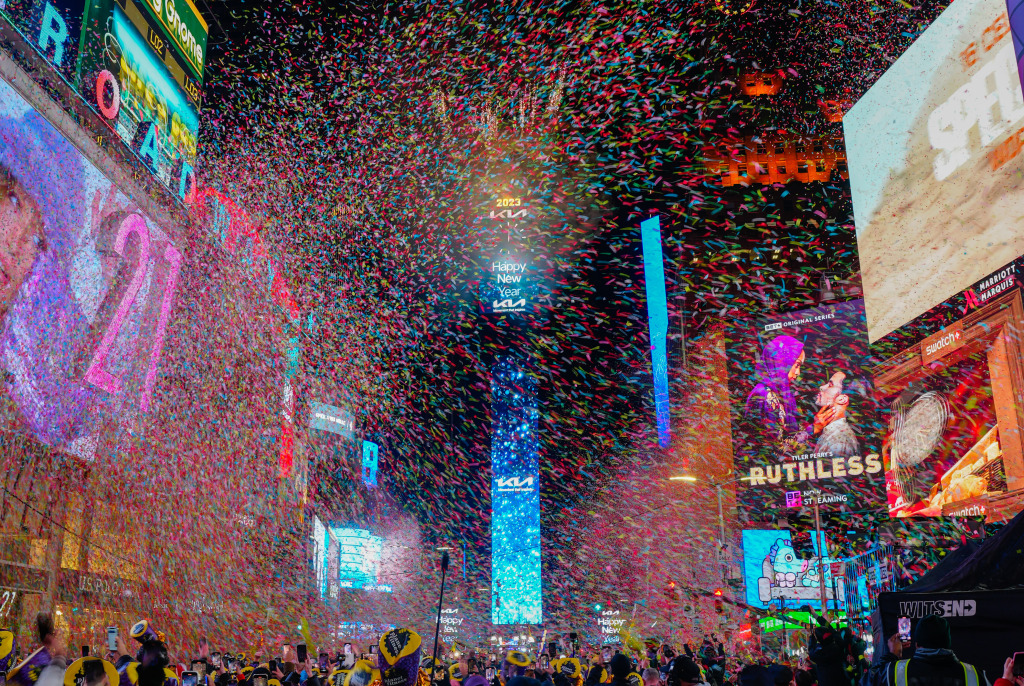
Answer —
774 574
803 414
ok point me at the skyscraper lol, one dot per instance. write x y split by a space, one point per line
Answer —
515 498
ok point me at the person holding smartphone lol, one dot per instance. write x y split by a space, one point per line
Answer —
1013 671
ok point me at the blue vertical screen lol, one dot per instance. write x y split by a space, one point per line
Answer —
657 316
515 498
370 451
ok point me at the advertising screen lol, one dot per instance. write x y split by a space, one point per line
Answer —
154 104
950 385
359 559
370 453
87 283
324 417
515 498
320 549
804 420
774 574
934 158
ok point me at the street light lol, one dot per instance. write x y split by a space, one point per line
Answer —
718 491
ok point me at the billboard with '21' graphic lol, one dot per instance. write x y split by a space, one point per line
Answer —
87 285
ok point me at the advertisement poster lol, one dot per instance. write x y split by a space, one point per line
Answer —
775 575
154 88
934 158
87 284
804 420
950 387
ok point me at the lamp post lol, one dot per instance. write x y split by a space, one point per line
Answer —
718 492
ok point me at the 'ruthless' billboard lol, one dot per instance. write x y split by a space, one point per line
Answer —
803 417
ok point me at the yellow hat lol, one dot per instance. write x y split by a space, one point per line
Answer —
518 658
85 667
363 673
570 667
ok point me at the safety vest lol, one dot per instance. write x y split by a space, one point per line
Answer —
970 673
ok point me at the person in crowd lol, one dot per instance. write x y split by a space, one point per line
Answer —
934 663
651 677
1013 674
685 672
620 667
33 668
827 652
665 656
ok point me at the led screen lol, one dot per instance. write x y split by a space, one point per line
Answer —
657 317
320 548
934 159
804 419
774 574
515 498
359 559
370 453
951 385
87 283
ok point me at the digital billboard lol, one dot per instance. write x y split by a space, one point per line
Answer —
775 575
804 418
324 417
359 554
657 317
131 76
320 554
515 498
87 284
369 470
506 287
934 160
951 386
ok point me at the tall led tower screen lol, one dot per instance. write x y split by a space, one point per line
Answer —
657 316
515 498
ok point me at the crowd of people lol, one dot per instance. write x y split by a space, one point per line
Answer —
835 657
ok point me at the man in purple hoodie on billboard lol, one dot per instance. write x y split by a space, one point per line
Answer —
771 405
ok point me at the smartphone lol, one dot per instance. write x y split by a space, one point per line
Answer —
111 638
85 651
192 679
324 660
348 648
200 669
373 649
300 653
903 628
1018 664
273 666
490 674
256 681
215 659
234 665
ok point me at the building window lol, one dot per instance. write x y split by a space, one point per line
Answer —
779 149
761 149
742 170
819 166
841 165
801 168
800 148
782 168
819 148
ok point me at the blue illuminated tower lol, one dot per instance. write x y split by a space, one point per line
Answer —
515 498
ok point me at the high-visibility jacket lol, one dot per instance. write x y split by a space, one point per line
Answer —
934 677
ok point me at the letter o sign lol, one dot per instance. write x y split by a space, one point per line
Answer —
108 111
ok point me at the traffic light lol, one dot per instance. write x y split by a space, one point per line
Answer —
719 608
718 593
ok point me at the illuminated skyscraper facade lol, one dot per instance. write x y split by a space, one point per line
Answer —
515 498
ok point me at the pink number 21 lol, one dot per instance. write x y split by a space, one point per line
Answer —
97 374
